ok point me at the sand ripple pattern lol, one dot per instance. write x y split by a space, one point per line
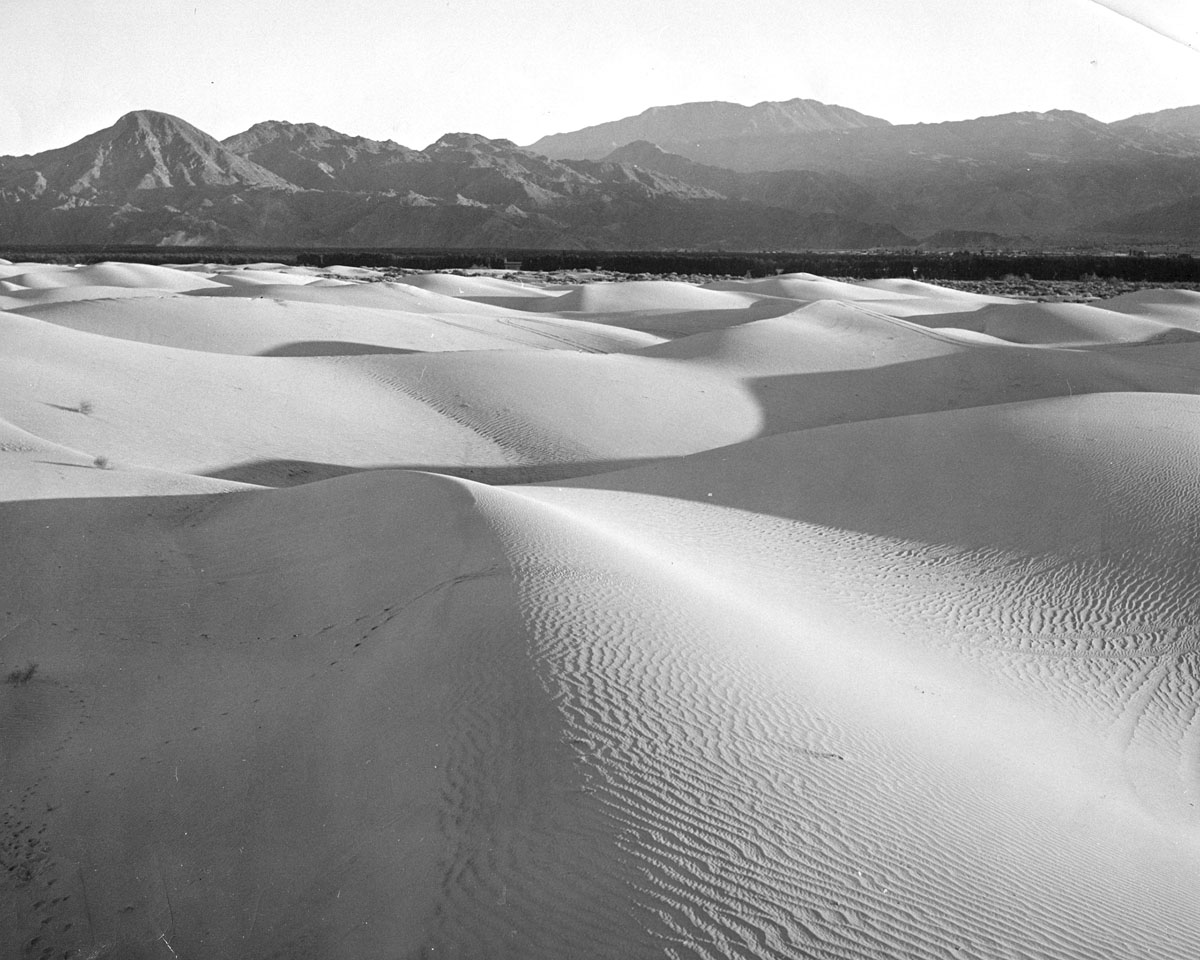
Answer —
749 725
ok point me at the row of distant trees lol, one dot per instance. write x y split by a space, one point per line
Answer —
958 265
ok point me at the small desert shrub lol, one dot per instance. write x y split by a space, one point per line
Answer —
101 462
85 407
22 674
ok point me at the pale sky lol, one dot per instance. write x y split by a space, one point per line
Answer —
415 69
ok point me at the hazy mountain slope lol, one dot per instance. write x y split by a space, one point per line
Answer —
1180 120
1052 174
1178 219
1048 198
1056 135
320 158
676 127
806 191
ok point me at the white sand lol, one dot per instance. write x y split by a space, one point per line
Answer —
136 275
864 626
1068 324
283 326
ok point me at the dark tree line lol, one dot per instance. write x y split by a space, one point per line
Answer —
959 265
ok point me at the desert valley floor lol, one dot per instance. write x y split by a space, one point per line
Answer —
463 617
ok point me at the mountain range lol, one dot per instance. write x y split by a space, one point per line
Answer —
789 175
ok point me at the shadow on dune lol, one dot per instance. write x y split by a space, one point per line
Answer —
294 473
1096 329
533 304
1058 477
64 463
971 378
330 348
685 323
979 450
673 323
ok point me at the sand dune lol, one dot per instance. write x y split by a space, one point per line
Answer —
1064 324
336 408
654 306
479 287
138 275
805 287
847 699
1176 307
19 298
266 326
901 296
407 297
828 621
252 278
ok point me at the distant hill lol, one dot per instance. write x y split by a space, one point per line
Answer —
681 127
1013 138
1180 120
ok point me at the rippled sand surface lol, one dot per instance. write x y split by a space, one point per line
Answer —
462 617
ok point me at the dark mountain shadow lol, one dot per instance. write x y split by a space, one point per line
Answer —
330 348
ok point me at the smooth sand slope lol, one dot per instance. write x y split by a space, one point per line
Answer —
266 326
840 629
1066 324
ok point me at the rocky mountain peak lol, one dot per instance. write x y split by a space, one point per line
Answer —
470 142
146 149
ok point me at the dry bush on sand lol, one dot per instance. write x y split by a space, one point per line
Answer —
22 675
